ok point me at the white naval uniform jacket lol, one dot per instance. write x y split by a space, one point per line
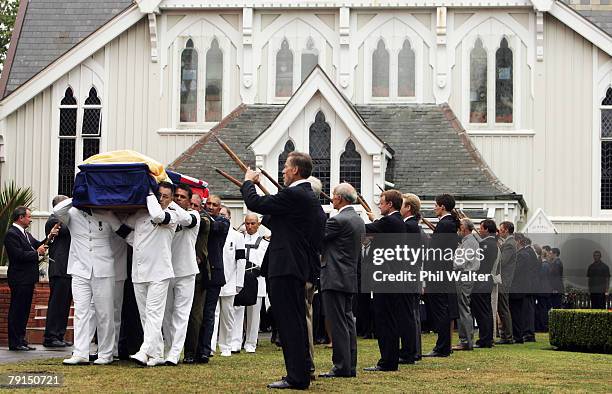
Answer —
256 256
233 263
152 242
184 261
119 248
90 244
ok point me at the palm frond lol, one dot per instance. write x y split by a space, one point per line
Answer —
11 196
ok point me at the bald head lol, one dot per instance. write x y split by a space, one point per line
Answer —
251 223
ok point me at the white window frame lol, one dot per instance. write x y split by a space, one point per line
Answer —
491 33
201 44
600 107
393 33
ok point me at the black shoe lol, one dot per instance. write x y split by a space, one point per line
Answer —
504 342
332 374
170 364
376 369
189 360
235 351
93 357
202 360
54 343
478 346
67 343
529 339
33 348
406 361
435 354
283 384
20 348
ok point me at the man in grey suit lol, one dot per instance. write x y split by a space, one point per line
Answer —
341 255
507 262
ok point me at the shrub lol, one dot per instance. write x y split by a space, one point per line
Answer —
585 330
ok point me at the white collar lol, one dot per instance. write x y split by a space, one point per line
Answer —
391 213
19 227
443 216
406 219
298 182
344 207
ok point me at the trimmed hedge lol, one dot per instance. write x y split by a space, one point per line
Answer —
584 330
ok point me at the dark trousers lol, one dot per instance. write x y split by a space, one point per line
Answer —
338 307
517 303
529 317
195 319
365 316
541 312
440 320
387 309
208 321
58 308
131 333
556 301
287 294
480 304
409 328
598 301
19 311
503 310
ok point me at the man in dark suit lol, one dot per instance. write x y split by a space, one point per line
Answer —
60 296
480 302
410 326
214 278
341 255
441 295
388 307
23 252
507 262
293 215
521 307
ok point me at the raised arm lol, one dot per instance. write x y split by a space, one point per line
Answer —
62 210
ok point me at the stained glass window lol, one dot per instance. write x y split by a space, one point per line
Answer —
320 151
503 83
380 71
310 58
282 158
189 83
405 71
214 82
350 166
67 143
284 71
478 84
606 151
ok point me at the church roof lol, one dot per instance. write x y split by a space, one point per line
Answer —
432 152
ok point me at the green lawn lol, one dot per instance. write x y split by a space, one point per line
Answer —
533 367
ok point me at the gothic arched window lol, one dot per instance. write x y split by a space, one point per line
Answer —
189 83
310 58
503 83
284 71
214 83
380 71
350 166
282 158
405 71
606 150
320 151
67 143
478 83
91 124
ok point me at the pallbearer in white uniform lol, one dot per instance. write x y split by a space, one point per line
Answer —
255 247
152 271
233 269
181 287
92 267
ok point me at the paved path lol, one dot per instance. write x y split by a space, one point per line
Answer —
8 356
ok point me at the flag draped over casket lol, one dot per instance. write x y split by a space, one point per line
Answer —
198 186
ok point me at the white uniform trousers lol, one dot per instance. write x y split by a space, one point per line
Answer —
100 292
252 326
117 307
176 316
151 300
224 324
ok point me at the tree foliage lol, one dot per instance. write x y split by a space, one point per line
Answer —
8 13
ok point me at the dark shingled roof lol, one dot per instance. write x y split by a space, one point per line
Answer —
598 13
51 28
432 152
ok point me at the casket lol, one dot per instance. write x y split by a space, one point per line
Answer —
116 186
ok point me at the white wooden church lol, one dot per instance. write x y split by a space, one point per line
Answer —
505 104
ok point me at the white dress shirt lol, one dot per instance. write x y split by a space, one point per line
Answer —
152 242
90 246
256 257
233 268
184 261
